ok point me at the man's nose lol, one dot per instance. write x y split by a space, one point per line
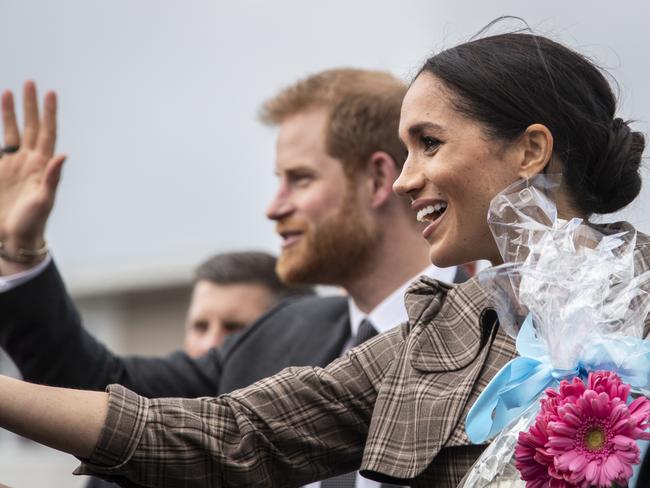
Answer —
280 206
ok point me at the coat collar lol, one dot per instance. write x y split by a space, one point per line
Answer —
441 338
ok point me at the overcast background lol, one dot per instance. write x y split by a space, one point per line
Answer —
167 161
158 114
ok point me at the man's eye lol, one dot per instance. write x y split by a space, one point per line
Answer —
430 143
300 180
233 326
201 327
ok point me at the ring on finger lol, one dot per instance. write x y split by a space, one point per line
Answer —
9 149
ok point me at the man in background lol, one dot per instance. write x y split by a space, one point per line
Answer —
232 290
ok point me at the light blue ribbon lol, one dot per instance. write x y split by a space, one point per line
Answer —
520 382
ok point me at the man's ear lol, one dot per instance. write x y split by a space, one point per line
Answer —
536 144
383 173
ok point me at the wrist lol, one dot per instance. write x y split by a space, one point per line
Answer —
17 256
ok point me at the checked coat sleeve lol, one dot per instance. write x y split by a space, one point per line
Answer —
298 426
393 407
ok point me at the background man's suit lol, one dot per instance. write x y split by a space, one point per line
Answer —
41 331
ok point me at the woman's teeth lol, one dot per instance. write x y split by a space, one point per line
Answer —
431 212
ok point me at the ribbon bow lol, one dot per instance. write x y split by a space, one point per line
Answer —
521 382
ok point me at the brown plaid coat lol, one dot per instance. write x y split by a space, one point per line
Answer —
393 408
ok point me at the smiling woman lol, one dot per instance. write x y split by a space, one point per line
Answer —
485 113
477 118
451 165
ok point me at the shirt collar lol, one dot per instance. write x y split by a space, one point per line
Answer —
391 311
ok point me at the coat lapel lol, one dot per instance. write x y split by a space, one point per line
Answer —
424 394
447 332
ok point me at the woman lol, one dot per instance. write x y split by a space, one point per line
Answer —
477 118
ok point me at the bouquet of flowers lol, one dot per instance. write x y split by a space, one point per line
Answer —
572 409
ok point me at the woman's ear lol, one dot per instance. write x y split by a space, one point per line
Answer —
537 149
383 173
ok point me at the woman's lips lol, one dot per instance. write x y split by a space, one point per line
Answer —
432 210
428 230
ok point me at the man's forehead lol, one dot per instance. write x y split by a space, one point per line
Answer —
307 127
300 144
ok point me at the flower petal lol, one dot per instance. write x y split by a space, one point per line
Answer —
623 442
613 468
592 471
578 464
559 442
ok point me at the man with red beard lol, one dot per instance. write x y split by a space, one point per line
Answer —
338 155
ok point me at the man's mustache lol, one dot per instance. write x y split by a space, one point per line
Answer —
293 225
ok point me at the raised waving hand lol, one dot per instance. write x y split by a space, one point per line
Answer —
29 176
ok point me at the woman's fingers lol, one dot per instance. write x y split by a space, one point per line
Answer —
47 133
30 104
9 124
39 135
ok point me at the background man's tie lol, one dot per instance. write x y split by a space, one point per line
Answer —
365 332
346 480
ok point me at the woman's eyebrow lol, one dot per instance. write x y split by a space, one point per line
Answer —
420 127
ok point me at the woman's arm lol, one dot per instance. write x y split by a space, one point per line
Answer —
298 426
67 420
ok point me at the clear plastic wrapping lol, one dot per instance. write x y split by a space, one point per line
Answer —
579 284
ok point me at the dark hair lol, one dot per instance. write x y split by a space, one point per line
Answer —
248 267
510 81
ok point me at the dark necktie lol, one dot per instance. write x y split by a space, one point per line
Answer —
347 481
365 332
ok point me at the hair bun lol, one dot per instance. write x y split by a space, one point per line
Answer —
616 181
620 132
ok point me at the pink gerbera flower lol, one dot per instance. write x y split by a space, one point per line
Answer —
584 435
532 457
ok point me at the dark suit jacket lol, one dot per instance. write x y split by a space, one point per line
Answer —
42 332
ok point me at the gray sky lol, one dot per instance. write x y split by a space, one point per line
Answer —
167 162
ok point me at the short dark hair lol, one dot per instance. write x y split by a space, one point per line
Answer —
510 81
248 267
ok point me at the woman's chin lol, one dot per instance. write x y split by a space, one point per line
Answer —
442 259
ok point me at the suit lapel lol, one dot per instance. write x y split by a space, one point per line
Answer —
322 350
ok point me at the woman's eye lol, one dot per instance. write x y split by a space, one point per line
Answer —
430 143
